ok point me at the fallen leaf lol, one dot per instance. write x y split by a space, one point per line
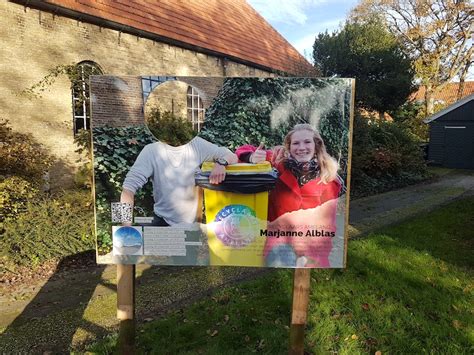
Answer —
148 319
365 306
457 324
214 333
354 337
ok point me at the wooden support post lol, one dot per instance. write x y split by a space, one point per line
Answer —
299 310
126 308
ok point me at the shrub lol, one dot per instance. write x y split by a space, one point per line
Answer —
49 228
384 156
169 128
410 116
21 155
15 192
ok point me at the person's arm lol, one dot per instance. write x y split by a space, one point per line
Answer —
331 191
137 176
251 154
127 196
244 152
219 155
218 171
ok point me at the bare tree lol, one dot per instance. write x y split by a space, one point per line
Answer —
436 34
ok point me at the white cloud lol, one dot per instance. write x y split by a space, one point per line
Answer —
286 11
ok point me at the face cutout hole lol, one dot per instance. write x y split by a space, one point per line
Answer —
174 112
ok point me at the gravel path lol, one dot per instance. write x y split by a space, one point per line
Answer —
377 211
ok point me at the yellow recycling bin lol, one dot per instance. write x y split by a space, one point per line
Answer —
236 213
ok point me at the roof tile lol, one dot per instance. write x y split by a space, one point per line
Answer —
448 95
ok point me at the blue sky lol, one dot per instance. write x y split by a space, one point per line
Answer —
299 21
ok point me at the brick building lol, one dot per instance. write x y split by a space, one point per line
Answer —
170 37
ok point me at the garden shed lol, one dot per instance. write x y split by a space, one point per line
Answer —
452 135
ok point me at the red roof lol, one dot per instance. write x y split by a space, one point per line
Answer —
231 28
448 95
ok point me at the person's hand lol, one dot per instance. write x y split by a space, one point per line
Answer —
260 155
278 154
128 197
217 174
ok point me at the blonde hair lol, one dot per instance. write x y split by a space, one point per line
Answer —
327 163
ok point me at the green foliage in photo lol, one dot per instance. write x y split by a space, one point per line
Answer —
168 128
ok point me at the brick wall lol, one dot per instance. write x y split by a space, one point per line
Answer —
34 42
116 101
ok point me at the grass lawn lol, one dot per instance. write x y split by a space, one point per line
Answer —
408 289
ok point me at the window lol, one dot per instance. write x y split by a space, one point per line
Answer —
150 82
80 94
195 109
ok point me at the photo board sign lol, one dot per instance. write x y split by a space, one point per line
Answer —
221 171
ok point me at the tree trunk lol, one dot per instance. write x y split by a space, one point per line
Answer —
429 100
462 79
460 89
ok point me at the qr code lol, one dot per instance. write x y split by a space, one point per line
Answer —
121 212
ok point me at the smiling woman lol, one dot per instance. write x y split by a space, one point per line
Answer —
306 192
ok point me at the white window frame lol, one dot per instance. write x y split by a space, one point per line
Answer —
196 110
80 98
